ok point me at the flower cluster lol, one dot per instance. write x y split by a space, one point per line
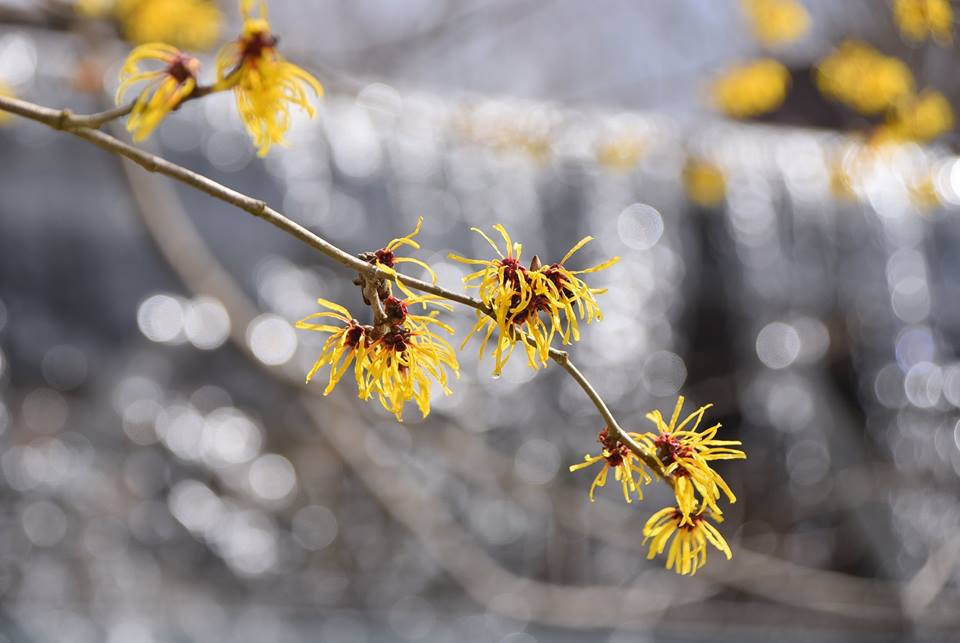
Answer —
627 467
864 79
776 22
878 85
686 454
751 89
919 20
401 356
264 84
397 359
683 455
530 305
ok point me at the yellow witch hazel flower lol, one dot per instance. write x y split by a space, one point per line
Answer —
686 455
776 22
922 19
624 462
397 360
347 343
751 89
409 356
861 77
387 259
264 84
520 298
166 87
688 551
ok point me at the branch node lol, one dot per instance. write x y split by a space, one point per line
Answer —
63 119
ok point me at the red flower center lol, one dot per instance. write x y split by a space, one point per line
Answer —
395 309
613 450
255 44
670 449
397 339
354 333
385 257
183 67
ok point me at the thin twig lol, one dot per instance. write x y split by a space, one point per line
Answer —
94 121
648 458
65 120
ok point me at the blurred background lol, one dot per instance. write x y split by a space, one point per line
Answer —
779 179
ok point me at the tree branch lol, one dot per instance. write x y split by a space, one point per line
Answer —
83 127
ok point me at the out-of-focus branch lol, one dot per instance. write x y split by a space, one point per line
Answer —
924 587
44 18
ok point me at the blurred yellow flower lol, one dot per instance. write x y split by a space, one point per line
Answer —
624 462
751 89
704 182
841 183
922 19
686 455
94 8
920 118
520 297
688 551
776 22
263 82
620 154
166 87
861 77
924 194
189 24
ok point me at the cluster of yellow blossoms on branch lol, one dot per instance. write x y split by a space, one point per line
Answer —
683 454
401 356
530 305
264 84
